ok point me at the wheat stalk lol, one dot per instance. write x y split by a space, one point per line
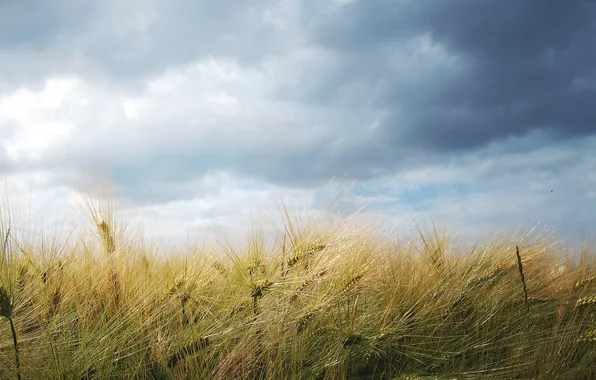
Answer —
523 279
187 351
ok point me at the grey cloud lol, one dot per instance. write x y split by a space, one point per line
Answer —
36 24
518 65
185 31
164 176
500 70
126 41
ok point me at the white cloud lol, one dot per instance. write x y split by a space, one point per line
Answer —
503 192
227 211
40 117
213 107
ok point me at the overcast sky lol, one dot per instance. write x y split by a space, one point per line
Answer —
476 113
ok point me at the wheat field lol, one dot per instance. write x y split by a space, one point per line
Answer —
323 302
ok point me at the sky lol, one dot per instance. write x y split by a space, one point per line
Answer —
477 115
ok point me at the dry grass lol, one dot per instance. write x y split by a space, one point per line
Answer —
329 302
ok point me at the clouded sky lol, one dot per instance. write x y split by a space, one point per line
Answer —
477 113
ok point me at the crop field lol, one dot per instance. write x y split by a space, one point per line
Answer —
325 301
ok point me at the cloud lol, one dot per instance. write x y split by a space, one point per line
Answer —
477 72
486 192
354 89
191 121
128 41
177 102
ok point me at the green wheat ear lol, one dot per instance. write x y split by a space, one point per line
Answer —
6 312
5 304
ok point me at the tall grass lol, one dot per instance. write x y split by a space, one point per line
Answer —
324 302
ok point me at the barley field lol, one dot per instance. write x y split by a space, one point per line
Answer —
324 301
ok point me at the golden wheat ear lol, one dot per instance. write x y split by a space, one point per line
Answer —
107 236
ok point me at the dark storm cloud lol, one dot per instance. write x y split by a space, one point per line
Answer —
521 66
